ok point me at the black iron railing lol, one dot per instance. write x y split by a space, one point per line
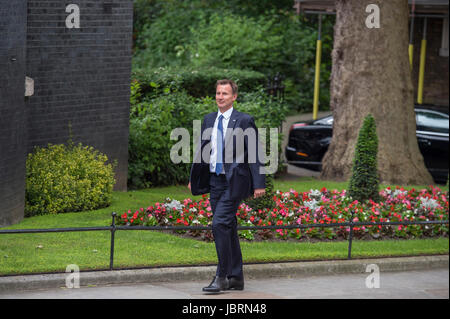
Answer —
113 228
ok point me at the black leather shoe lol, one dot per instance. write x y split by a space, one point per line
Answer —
235 283
217 284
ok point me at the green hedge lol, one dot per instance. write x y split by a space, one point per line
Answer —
153 118
151 123
198 82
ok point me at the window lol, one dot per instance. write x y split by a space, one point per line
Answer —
432 121
325 121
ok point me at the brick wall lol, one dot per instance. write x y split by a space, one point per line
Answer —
436 86
81 76
13 20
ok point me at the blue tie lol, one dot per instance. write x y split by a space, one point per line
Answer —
219 158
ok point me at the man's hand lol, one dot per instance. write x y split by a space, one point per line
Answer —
259 192
189 185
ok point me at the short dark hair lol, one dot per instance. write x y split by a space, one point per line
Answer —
234 87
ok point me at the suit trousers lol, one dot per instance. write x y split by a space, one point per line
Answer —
224 228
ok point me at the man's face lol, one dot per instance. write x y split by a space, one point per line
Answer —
225 97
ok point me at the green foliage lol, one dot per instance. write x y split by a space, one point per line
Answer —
268 113
160 103
145 11
162 29
247 8
266 201
226 40
151 123
198 82
183 47
163 40
67 178
264 36
154 117
364 182
298 60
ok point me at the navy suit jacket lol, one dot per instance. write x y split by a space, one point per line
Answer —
242 170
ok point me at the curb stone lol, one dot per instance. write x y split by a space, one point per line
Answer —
251 271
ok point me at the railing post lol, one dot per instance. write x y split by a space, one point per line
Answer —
113 230
350 238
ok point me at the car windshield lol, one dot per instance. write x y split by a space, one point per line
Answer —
432 121
325 121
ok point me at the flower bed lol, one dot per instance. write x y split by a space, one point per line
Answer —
313 207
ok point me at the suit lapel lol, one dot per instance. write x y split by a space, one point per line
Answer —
212 120
210 124
231 125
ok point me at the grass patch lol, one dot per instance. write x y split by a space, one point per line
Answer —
53 252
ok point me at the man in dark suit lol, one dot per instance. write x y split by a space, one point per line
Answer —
226 165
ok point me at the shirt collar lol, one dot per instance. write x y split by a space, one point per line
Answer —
226 114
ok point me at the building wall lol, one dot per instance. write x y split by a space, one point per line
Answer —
436 83
81 80
81 76
13 21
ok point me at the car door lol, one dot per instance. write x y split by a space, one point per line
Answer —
433 136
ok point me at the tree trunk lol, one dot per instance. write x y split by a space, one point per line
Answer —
371 75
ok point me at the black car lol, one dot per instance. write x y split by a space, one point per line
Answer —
308 142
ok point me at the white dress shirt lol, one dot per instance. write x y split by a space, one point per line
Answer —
213 158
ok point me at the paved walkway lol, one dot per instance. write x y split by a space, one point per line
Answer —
424 284
396 277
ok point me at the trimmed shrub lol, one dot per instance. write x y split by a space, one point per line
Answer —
67 178
197 82
151 123
364 182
